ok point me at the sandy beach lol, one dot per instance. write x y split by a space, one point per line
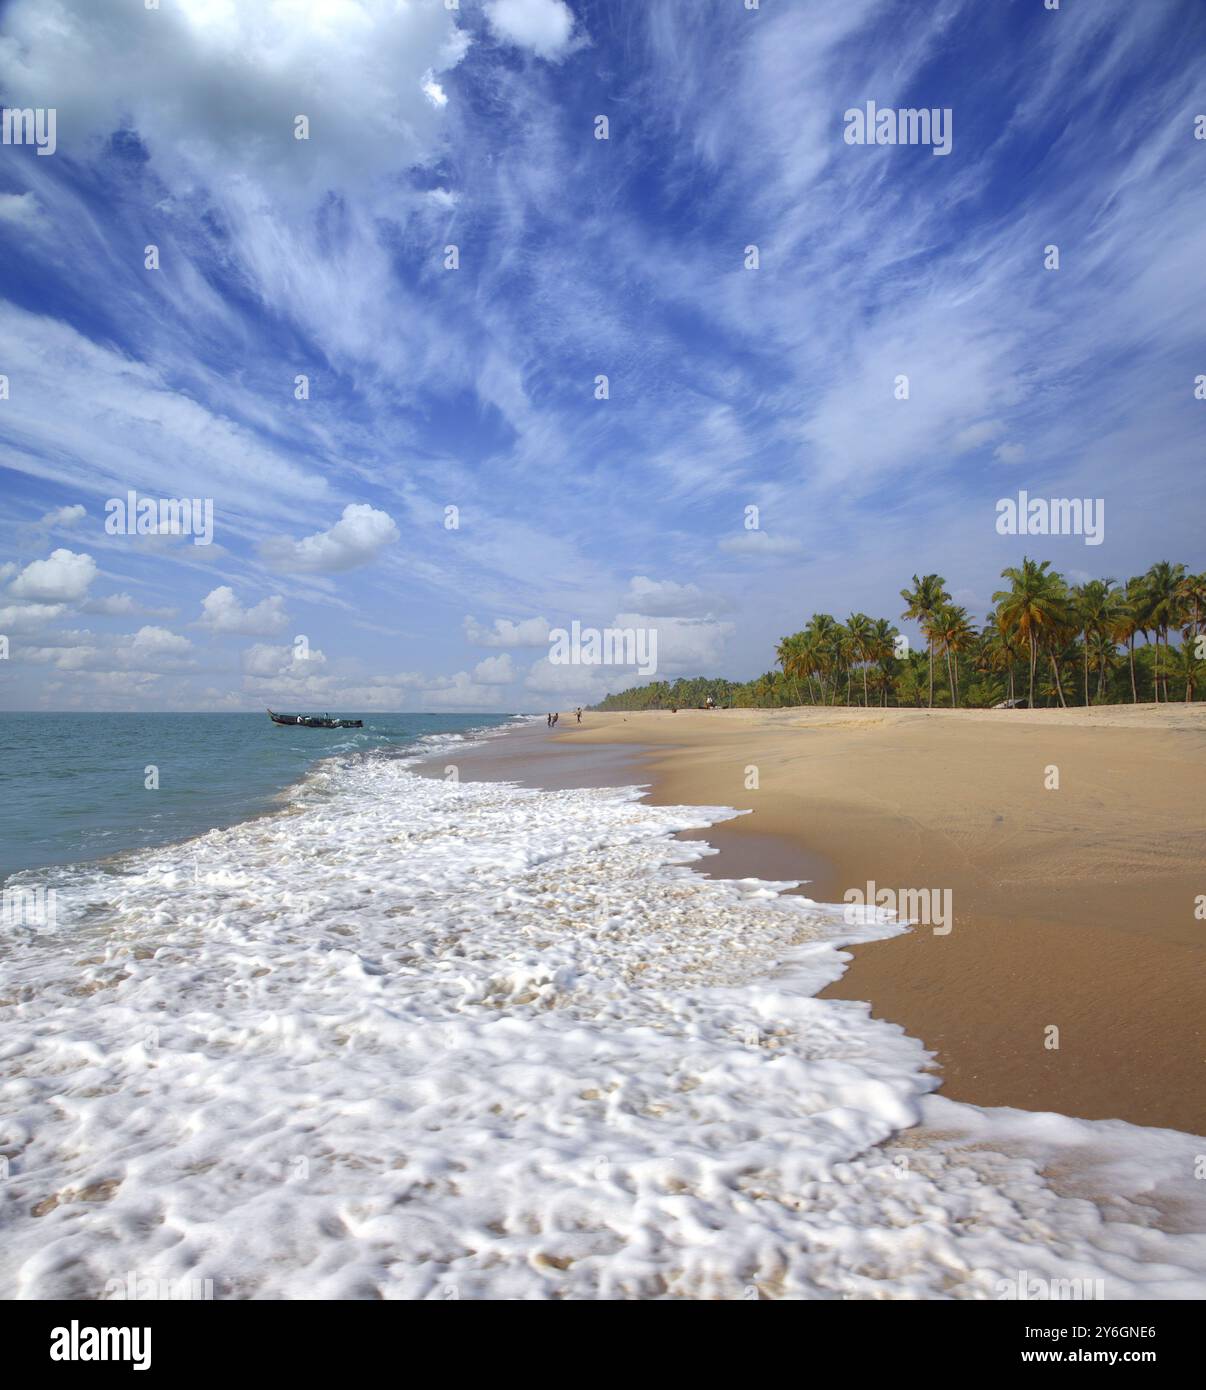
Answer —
1073 908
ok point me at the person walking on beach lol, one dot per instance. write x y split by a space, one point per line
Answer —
579 714
555 719
548 719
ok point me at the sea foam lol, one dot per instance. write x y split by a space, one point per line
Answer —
414 1039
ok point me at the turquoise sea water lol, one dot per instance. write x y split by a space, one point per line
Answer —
73 786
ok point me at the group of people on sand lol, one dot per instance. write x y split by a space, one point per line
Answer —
553 718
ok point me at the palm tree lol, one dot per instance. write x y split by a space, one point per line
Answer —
764 688
1034 603
1061 633
1163 586
883 651
820 632
1130 622
954 633
843 656
1187 666
790 656
1001 653
861 635
926 597
1192 593
1095 604
1104 652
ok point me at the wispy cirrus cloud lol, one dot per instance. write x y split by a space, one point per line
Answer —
450 451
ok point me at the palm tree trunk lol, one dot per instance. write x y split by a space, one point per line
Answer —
1033 664
1130 651
931 672
1086 637
1059 685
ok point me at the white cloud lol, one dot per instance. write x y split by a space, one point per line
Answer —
461 692
495 670
221 612
274 663
527 632
21 209
28 615
680 646
759 543
579 685
111 606
432 90
975 435
1009 453
76 658
65 516
150 650
63 578
544 26
112 422
152 642
685 646
668 598
354 540
212 87
122 606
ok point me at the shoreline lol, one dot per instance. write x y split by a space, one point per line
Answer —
1073 908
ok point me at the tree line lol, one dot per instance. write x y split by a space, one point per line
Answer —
1045 642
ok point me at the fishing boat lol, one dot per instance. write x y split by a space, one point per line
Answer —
315 721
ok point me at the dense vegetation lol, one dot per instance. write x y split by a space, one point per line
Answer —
1045 642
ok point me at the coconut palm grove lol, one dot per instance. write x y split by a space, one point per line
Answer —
1045 642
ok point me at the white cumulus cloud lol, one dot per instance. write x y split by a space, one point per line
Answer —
221 612
527 632
65 516
354 540
495 670
263 659
63 578
544 26
666 597
29 615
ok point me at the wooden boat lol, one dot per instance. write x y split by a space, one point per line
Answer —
314 721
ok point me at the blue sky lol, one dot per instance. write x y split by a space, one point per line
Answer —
475 388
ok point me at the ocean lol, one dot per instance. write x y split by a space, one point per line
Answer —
74 786
369 1035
